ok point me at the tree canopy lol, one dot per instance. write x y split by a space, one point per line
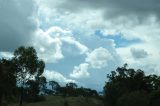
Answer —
126 86
28 64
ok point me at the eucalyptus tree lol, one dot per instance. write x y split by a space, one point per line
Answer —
28 66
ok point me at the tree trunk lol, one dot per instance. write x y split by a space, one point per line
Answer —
0 100
21 98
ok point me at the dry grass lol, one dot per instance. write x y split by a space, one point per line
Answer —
68 101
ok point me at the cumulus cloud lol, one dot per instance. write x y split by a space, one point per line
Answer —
17 23
49 48
98 58
72 41
81 71
49 44
52 75
138 53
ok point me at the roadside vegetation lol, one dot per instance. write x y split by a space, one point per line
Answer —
130 87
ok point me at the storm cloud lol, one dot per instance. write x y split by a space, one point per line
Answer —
16 23
115 8
139 53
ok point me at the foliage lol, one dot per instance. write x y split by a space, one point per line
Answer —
133 99
55 86
7 78
129 87
42 83
71 89
28 67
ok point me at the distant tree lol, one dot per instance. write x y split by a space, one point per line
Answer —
63 91
28 66
94 93
80 91
42 83
125 80
154 80
55 86
71 89
71 85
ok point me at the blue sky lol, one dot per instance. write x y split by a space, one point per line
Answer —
118 39
81 41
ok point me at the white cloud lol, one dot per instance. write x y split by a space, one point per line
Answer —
71 40
81 71
150 61
57 31
6 55
49 49
98 58
52 75
49 44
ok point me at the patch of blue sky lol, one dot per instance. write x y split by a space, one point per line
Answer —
65 65
119 40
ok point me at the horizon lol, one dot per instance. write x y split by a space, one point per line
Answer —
81 41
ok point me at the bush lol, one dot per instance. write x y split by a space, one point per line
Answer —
155 98
134 99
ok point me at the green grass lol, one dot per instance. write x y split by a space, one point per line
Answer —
60 101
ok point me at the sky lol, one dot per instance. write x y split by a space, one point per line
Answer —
81 41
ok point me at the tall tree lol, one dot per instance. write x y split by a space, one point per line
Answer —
28 66
7 78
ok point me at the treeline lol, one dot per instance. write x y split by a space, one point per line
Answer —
71 89
129 87
21 79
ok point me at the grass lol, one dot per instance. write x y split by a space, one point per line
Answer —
68 101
